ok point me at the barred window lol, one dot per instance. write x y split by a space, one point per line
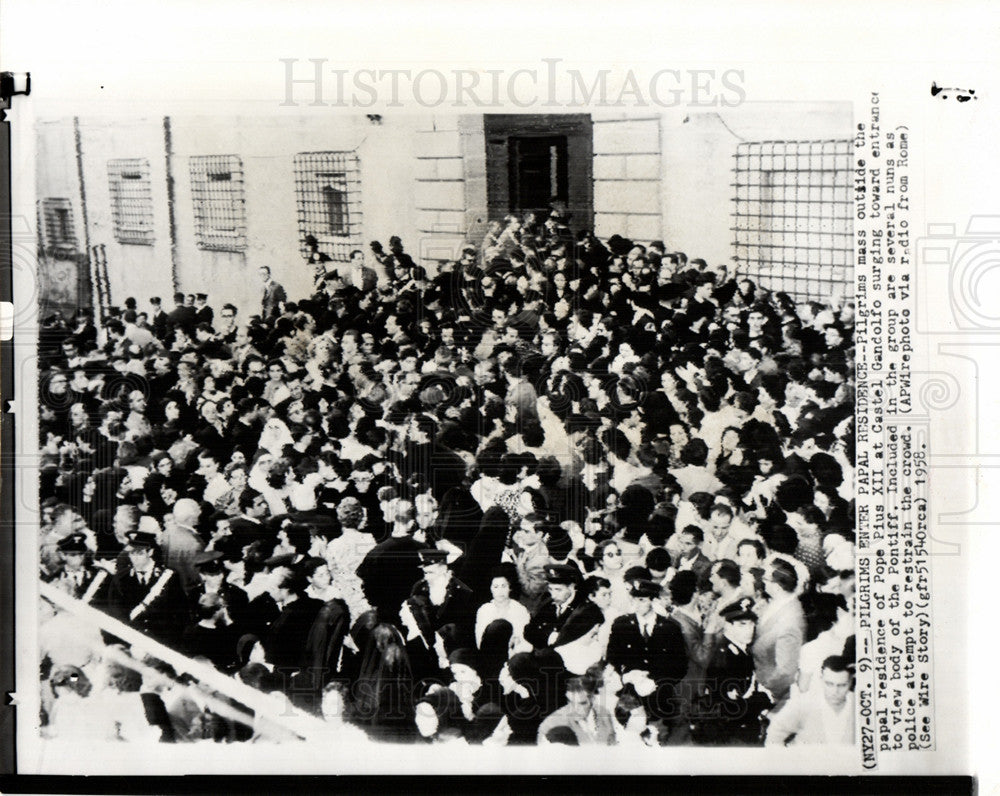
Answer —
60 232
219 202
131 200
328 195
793 219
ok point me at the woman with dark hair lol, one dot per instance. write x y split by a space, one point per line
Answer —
504 590
610 565
383 692
275 389
635 506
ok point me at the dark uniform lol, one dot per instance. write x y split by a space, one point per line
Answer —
204 313
153 603
728 712
550 618
662 653
88 583
458 607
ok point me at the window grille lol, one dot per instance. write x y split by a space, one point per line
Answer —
328 197
793 217
60 232
217 189
131 200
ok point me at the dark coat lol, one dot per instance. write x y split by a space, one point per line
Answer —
274 295
388 574
723 715
485 552
547 621
457 608
288 635
164 616
663 655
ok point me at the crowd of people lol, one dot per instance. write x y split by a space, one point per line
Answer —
563 490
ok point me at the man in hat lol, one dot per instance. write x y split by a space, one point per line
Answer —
448 600
649 652
78 577
202 312
554 613
159 320
146 594
211 569
732 701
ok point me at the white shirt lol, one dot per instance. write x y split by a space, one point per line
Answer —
512 611
437 588
646 623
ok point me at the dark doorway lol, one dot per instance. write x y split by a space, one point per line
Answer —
535 162
538 171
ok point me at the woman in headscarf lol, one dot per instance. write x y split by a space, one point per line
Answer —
494 650
275 437
532 689
438 717
324 651
459 516
384 688
485 552
583 639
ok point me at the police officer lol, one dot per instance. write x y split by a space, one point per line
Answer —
556 610
649 653
145 594
78 577
732 701
446 598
